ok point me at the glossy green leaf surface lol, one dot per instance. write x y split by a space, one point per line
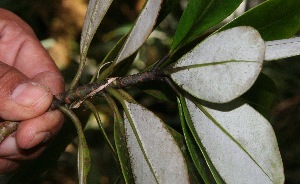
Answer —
154 154
274 19
141 29
222 67
239 141
201 15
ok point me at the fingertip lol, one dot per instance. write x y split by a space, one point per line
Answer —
27 100
39 130
51 79
31 94
9 146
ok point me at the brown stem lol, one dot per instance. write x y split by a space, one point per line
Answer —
75 97
6 128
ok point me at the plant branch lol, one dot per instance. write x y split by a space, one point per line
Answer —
6 128
75 97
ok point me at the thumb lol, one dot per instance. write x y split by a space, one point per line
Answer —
20 97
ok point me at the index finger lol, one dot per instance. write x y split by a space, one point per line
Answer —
21 49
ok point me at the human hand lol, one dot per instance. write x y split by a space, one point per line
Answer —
28 80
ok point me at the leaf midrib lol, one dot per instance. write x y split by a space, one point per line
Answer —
177 69
231 137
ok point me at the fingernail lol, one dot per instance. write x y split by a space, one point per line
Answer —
39 138
28 94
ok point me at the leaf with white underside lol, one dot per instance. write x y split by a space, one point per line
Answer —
95 13
200 158
280 49
240 143
222 67
141 30
155 156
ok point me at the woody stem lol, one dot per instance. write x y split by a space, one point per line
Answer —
79 94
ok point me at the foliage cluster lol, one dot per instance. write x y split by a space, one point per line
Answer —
213 71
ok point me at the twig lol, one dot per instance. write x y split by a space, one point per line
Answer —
6 128
74 98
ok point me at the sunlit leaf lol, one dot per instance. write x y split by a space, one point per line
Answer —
274 19
141 30
154 154
200 15
280 49
222 67
239 141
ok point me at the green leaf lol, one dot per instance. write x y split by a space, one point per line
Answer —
239 141
95 13
280 49
154 154
199 16
83 156
159 90
120 141
274 19
222 67
123 153
141 30
194 176
167 7
195 152
94 110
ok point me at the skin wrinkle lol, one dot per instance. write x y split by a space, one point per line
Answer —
6 76
18 52
21 63
7 18
1 31
23 59
54 86
12 58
